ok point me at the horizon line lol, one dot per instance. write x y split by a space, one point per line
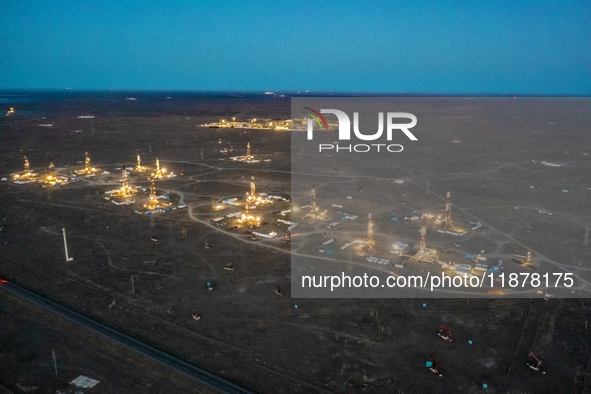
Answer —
296 93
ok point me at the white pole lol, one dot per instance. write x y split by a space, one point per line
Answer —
54 362
66 246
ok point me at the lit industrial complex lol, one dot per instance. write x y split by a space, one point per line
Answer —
52 178
122 195
157 203
446 222
88 170
250 202
25 176
424 253
368 243
315 212
160 172
267 124
139 167
248 158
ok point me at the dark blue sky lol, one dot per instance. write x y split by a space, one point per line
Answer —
522 47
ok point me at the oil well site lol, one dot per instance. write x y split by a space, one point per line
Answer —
173 218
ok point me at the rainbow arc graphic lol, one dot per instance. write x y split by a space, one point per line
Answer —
317 117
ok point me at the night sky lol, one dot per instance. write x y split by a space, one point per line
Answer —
455 47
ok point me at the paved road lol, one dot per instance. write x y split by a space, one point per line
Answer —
140 347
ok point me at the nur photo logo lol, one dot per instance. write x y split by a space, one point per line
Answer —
344 130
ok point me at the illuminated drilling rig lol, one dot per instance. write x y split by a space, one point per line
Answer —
252 186
159 171
139 167
251 202
447 221
251 198
26 175
88 169
423 241
527 261
125 185
125 190
248 158
368 243
154 203
315 213
52 178
152 190
425 254
162 172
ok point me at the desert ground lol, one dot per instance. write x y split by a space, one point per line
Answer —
247 333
